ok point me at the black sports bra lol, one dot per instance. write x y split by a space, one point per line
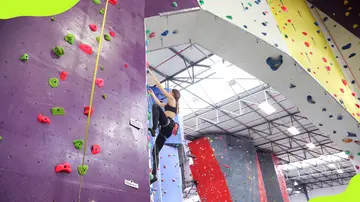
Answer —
170 108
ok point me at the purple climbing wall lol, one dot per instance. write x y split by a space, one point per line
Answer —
30 150
154 7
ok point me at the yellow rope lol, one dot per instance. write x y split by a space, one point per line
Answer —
92 92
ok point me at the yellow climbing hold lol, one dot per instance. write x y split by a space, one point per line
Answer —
347 14
346 2
355 26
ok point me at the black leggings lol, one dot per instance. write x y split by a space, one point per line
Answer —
164 134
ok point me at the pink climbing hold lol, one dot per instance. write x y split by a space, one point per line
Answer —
113 2
357 114
99 82
112 34
86 49
66 167
95 149
43 119
87 109
152 35
93 27
344 82
284 8
328 68
126 66
63 75
307 44
342 90
147 64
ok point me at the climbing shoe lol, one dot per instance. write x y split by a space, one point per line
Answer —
154 179
152 132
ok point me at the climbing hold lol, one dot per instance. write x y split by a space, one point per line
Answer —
147 31
82 169
330 116
66 167
24 57
286 36
70 38
95 149
43 119
126 66
347 140
86 110
149 116
353 81
264 24
113 2
324 109
355 26
284 8
357 105
59 51
292 86
342 90
307 44
347 13
102 68
1 138
274 63
152 35
357 142
86 49
328 68
229 17
98 2
52 19
165 33
324 59
93 27
264 33
102 11
245 26
339 117
54 82
351 157
351 134
347 46
104 96
78 144
201 2
357 167
175 32
344 82
347 152
99 82
57 111
112 34
352 55
63 75
107 37
316 23
353 94
318 31
310 99
304 33
174 4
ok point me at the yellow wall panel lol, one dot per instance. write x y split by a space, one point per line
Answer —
310 48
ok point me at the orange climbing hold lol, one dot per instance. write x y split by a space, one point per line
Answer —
347 140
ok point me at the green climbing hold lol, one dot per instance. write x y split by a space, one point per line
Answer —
249 4
59 51
149 116
358 154
82 169
201 2
148 31
119 6
102 11
98 2
151 176
149 145
104 96
102 68
78 144
229 17
0 138
70 38
347 152
25 57
53 19
57 111
54 82
174 4
107 37
98 39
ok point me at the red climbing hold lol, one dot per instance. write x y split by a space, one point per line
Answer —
304 33
86 48
311 53
357 167
99 82
63 75
112 34
307 44
284 8
95 149
126 66
226 166
152 35
289 20
43 119
342 90
335 95
324 59
93 27
357 105
113 2
66 167
351 157
328 68
357 114
175 129
86 110
344 82
164 166
353 94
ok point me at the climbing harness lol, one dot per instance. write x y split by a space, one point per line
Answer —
92 94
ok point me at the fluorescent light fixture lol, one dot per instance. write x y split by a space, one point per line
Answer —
297 192
339 171
267 108
293 130
311 145
296 183
289 189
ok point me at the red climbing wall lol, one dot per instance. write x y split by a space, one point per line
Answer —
280 178
30 150
206 171
262 190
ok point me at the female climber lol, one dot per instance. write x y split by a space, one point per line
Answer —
164 119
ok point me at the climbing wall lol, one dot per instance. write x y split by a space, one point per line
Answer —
253 16
206 171
31 150
262 191
155 7
237 160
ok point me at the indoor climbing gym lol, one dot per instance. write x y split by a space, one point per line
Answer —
180 101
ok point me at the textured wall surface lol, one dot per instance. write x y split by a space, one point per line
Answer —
31 150
237 159
154 7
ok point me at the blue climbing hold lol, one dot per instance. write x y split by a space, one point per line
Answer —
339 117
352 55
324 109
264 24
274 63
347 46
316 23
351 134
310 99
318 31
245 26
264 33
165 33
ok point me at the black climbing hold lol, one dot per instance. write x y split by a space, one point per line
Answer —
320 124
264 33
165 33
245 26
339 117
318 31
264 24
308 69
332 46
329 39
316 23
286 36
345 66
310 99
275 63
353 81
341 101
334 132
347 46
351 134
276 45
330 116
292 86
324 109
325 19
175 32
352 55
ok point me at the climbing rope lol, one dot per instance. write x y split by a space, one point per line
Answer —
92 94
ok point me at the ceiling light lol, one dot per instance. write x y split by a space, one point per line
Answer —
311 145
331 165
297 192
339 171
267 108
289 189
293 130
295 183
